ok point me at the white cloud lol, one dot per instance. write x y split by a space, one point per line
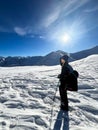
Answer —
75 29
68 34
41 37
56 13
20 31
51 17
61 10
72 5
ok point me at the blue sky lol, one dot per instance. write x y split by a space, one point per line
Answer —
37 27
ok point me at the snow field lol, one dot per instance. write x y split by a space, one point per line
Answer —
26 98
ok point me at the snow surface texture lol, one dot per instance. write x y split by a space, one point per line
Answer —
27 94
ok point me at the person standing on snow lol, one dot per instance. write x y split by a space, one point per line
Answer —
65 71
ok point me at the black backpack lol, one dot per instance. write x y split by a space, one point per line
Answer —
72 81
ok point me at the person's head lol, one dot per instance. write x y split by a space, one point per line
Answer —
64 59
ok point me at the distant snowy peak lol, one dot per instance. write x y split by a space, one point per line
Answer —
61 53
56 53
52 58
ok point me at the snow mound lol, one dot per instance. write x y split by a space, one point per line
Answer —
27 94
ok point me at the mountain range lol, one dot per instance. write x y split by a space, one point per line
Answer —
49 59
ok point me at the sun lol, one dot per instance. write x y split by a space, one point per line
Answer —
64 38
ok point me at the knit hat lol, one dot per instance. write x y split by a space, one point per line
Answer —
65 57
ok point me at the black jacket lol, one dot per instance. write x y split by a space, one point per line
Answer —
66 70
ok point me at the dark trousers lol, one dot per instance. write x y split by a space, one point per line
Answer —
63 94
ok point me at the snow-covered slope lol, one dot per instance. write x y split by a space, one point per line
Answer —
27 93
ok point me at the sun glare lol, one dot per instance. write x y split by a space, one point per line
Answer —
62 38
65 38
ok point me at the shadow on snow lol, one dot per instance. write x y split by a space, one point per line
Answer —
62 121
